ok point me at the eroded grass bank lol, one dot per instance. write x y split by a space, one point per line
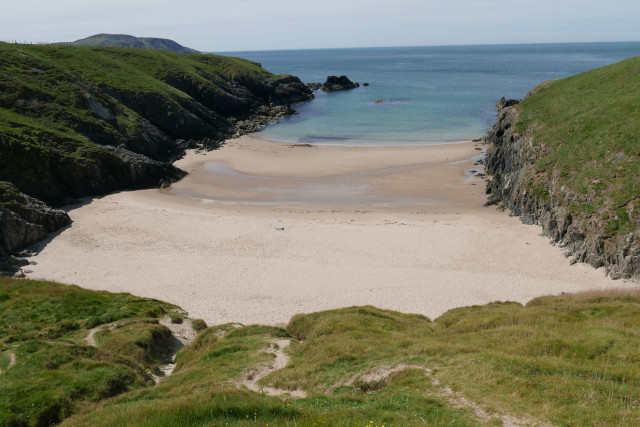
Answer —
565 360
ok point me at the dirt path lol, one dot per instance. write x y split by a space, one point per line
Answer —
255 374
181 335
378 378
12 361
90 338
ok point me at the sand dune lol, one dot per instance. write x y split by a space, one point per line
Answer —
260 231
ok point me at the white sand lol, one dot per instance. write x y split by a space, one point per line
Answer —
401 228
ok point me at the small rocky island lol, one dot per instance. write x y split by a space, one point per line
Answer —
334 84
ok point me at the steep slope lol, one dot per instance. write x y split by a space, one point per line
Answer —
91 356
25 220
77 121
48 367
568 158
125 40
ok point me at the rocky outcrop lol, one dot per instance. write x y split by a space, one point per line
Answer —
335 83
124 134
76 122
60 178
504 103
540 200
23 221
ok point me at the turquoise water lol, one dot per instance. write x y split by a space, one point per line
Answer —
427 94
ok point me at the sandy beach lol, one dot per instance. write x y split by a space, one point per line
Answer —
260 231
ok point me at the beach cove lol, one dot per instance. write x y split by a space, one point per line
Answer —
260 231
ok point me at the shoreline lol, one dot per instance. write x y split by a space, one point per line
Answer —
265 262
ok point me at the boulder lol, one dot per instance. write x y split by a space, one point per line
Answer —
335 83
504 103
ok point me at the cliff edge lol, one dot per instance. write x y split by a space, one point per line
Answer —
81 121
568 158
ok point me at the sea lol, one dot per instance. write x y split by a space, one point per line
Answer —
421 95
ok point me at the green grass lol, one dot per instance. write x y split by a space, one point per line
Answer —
567 360
44 325
587 128
61 77
60 105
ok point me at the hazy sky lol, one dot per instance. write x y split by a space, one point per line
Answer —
214 25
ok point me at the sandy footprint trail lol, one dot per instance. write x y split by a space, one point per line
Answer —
182 334
280 361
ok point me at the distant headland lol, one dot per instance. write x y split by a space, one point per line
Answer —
125 40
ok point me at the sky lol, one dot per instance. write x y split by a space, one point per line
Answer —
242 25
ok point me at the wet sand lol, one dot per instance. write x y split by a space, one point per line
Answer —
260 231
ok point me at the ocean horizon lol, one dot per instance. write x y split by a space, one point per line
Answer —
421 95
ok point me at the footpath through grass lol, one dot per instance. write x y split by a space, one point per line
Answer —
49 370
566 360
563 360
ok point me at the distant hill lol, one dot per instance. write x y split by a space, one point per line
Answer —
124 40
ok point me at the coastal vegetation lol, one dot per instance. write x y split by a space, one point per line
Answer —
78 121
49 368
81 121
567 157
565 360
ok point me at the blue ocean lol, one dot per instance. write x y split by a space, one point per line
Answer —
419 95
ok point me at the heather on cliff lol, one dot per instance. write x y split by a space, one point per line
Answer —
568 157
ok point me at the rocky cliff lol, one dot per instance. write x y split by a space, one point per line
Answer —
78 121
567 158
23 221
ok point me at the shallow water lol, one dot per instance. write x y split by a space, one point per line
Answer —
421 94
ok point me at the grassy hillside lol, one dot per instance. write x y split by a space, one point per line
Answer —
566 360
124 40
63 109
49 369
80 121
568 157
588 127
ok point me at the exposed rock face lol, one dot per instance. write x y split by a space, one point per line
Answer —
60 179
335 83
66 134
25 220
510 160
133 134
504 103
